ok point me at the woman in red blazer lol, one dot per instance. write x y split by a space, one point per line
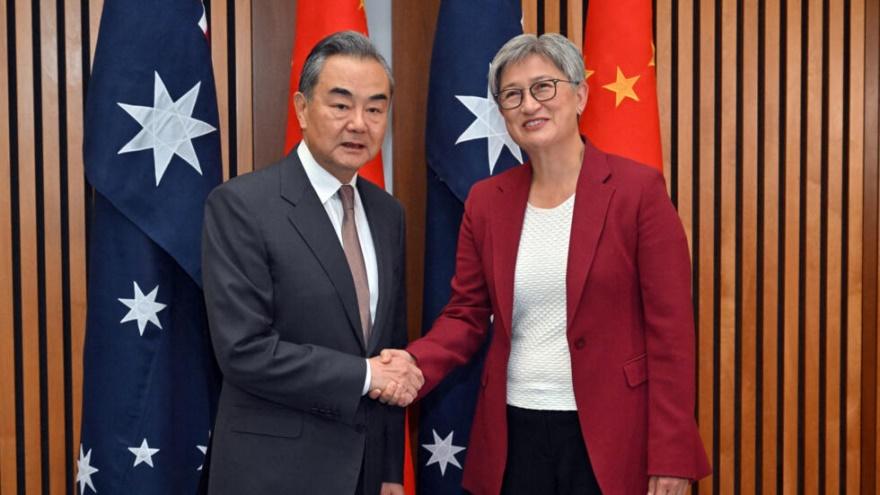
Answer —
582 260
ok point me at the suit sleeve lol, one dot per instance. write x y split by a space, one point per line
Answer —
464 322
392 470
674 445
239 299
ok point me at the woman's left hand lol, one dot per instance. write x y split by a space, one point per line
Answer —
667 485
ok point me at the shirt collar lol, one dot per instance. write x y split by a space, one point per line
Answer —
323 182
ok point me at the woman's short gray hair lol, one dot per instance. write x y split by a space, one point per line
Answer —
350 43
552 46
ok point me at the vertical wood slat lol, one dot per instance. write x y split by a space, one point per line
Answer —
76 211
662 66
771 321
855 290
96 8
30 356
551 16
748 245
706 296
8 475
218 29
792 249
53 359
814 246
836 245
727 251
871 339
575 23
685 126
243 86
530 16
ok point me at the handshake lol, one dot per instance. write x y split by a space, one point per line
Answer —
395 378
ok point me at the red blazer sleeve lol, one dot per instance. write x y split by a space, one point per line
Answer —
674 445
464 322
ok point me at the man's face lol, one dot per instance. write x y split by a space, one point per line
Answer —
344 122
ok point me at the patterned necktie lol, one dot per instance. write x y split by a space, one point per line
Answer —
352 247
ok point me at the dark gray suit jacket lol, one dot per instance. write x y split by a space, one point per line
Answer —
284 323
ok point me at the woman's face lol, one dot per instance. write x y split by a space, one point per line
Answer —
536 124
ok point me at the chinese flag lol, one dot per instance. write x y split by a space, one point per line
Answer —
409 472
621 114
315 20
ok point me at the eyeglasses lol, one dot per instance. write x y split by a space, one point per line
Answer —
542 90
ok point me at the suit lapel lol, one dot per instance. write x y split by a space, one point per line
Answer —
310 220
511 199
590 209
382 245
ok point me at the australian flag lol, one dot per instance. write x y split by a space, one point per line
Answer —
466 141
152 154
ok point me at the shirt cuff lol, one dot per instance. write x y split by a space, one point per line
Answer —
367 379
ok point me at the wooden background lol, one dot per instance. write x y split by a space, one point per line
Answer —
769 113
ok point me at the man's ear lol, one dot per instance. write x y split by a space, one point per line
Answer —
300 102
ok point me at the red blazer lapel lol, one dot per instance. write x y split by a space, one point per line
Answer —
590 207
508 211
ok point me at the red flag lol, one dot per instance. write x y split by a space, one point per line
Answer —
315 20
409 472
621 115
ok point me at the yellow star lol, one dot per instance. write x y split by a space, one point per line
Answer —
653 55
623 87
588 73
361 6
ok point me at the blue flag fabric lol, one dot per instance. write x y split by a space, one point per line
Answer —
466 141
152 154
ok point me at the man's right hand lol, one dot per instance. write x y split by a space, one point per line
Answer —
396 379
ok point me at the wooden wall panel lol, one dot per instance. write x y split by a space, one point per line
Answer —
241 32
771 198
414 27
272 42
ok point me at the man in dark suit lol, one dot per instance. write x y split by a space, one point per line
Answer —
304 282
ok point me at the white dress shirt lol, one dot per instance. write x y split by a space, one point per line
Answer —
327 188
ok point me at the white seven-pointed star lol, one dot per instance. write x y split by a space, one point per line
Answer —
443 452
84 471
488 124
143 453
167 128
143 308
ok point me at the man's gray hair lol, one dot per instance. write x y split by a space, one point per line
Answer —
349 43
552 46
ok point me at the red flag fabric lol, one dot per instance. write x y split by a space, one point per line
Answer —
409 472
315 20
621 116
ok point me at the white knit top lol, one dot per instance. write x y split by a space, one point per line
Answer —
539 369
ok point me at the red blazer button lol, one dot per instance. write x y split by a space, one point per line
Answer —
579 344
